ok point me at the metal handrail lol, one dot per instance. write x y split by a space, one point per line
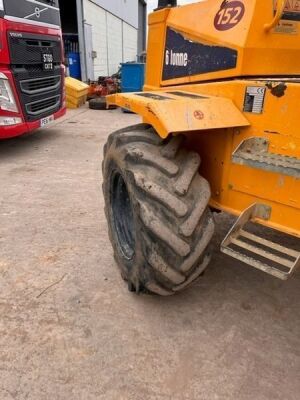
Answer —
280 8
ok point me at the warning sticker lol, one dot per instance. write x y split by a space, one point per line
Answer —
291 10
254 99
288 27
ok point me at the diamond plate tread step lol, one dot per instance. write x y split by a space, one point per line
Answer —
260 253
254 153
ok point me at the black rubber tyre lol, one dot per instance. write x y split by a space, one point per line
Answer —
159 223
99 103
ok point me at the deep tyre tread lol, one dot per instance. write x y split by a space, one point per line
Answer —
171 225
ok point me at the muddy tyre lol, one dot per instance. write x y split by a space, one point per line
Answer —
156 205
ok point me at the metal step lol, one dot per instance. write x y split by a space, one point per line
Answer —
254 152
256 251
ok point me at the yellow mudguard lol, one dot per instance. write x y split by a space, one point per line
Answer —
179 111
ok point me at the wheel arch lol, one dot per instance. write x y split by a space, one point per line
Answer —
175 112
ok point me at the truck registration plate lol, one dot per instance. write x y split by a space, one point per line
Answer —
47 120
47 59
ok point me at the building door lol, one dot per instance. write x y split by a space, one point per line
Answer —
88 35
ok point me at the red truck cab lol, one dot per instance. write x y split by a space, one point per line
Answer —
31 66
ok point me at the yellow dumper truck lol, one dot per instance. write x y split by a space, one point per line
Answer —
221 132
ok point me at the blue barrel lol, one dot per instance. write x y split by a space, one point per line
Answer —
74 65
133 77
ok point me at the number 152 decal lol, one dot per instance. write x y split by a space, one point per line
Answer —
229 15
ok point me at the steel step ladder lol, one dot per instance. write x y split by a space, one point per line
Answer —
256 251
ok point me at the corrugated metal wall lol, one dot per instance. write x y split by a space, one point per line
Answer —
114 40
127 10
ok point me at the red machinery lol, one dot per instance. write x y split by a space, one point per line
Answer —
104 86
98 91
31 66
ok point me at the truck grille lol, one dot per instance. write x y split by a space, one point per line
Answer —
40 91
47 105
28 49
39 85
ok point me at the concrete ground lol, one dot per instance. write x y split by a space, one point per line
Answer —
70 330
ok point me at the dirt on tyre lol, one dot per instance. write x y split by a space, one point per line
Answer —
156 205
99 103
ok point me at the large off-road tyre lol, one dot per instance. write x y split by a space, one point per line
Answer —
156 206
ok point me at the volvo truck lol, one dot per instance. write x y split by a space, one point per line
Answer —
31 66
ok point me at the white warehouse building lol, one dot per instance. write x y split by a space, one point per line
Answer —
101 34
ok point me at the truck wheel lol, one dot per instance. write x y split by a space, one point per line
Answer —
156 205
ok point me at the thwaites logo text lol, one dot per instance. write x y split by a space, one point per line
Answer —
291 10
290 5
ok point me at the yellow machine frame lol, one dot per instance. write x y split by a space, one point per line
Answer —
209 108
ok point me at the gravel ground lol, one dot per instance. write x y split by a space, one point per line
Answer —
70 330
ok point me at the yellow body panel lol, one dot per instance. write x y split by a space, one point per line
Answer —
264 49
260 52
179 111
